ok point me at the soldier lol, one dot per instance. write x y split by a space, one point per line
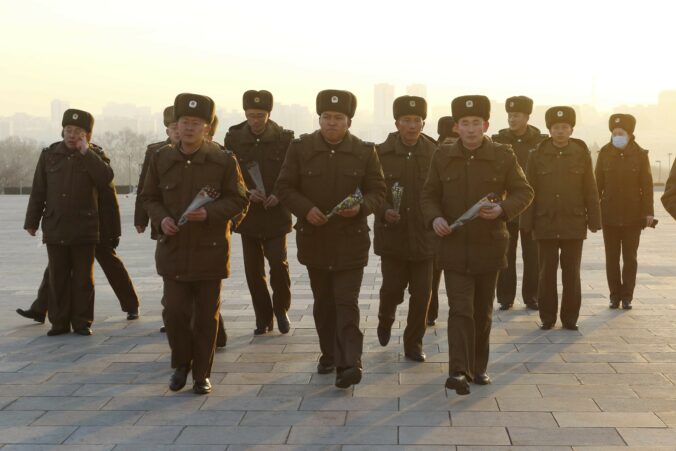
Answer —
193 258
625 186
460 175
447 135
260 144
523 138
319 171
105 255
566 204
669 197
402 240
64 196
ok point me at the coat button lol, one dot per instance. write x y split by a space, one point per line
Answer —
309 172
214 243
557 196
64 195
189 162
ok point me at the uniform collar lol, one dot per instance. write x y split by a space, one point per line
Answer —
320 144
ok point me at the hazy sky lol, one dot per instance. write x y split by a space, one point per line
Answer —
145 52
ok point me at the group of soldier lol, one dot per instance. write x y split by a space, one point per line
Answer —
544 191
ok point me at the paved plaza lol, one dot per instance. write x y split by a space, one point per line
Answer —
608 386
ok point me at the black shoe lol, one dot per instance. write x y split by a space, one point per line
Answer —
614 304
546 326
533 306
570 326
415 356
505 306
58 331
163 330
458 382
85 331
431 322
179 377
626 305
262 330
348 377
32 314
201 387
283 323
384 334
482 379
325 369
221 340
132 315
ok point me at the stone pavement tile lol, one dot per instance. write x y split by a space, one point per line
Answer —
515 448
603 357
522 357
623 448
576 368
18 417
15 390
641 347
505 391
636 405
349 403
229 391
260 357
382 418
286 448
607 419
241 367
504 419
91 378
24 377
636 436
62 402
9 367
266 378
149 447
193 418
177 402
624 379
343 435
437 379
657 357
294 367
305 391
455 435
587 391
668 418
399 448
35 434
122 390
250 403
313 418
547 405
564 436
644 367
533 378
394 391
453 403
555 348
104 435
655 392
211 435
58 447
87 418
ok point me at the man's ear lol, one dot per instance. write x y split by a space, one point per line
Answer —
486 125
89 137
349 122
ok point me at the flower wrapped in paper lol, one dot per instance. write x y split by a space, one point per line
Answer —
206 195
488 201
397 196
255 172
350 201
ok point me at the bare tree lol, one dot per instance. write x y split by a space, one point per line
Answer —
126 150
18 157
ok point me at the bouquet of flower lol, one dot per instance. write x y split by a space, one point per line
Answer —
255 172
397 196
347 203
489 200
206 195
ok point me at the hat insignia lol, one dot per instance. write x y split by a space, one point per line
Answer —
469 104
559 113
192 104
75 116
257 100
334 99
412 103
617 120
511 104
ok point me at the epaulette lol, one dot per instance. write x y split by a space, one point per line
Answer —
581 143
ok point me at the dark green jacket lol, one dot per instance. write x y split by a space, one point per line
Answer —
110 223
456 181
409 238
140 214
669 196
566 199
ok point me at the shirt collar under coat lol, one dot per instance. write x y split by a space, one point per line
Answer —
483 152
268 135
319 143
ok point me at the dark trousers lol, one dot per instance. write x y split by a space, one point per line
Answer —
622 241
115 272
470 317
336 314
433 309
255 252
221 337
192 317
417 276
548 297
506 289
71 285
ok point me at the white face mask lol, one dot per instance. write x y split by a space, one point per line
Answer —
620 141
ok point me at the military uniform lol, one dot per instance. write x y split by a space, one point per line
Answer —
318 174
669 197
65 197
264 230
566 204
472 255
141 217
195 260
625 187
506 288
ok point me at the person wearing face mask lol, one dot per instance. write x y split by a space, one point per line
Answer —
625 186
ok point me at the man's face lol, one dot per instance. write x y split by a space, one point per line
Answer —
192 130
257 120
333 125
172 132
471 130
72 135
561 132
410 127
517 121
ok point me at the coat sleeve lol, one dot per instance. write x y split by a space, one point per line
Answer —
374 186
38 196
647 186
233 201
100 172
288 184
669 196
519 192
140 215
591 197
151 196
527 218
432 192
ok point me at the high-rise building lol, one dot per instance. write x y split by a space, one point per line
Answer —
383 96
57 108
417 89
